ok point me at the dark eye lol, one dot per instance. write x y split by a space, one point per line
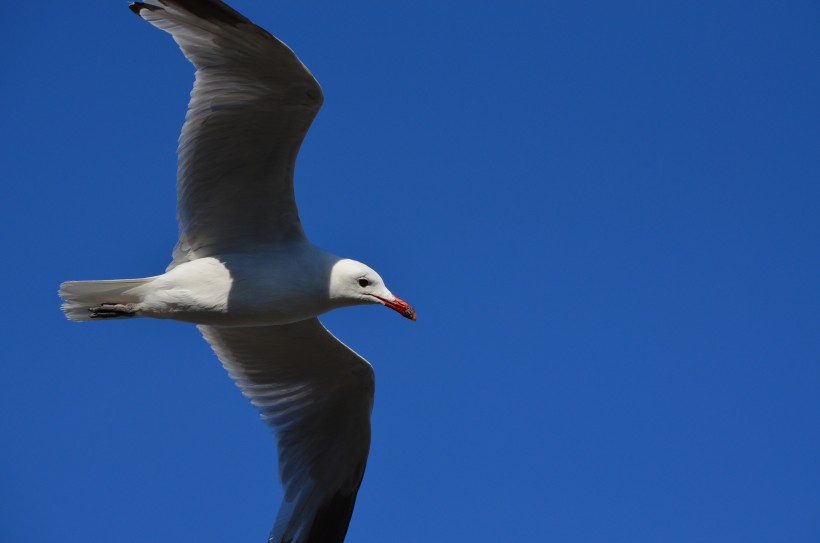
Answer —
363 282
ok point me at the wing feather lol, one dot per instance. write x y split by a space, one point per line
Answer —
252 103
316 394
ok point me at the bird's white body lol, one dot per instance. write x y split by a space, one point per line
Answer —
275 286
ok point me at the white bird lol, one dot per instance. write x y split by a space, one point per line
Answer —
245 273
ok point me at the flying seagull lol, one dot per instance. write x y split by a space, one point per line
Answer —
244 272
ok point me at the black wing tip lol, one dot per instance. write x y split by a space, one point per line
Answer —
210 10
137 7
331 521
214 10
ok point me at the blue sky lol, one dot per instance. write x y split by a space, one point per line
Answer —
606 216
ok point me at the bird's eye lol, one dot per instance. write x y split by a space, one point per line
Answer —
363 282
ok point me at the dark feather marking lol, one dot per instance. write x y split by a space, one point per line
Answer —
136 7
212 10
331 521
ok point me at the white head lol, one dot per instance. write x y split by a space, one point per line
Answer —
353 283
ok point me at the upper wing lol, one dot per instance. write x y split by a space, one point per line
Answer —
316 394
251 106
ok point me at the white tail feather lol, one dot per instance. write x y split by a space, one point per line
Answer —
79 296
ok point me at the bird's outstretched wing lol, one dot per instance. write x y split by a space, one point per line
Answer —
251 106
316 394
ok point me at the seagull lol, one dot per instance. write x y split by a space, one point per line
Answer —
245 273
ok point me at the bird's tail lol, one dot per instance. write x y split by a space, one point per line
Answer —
80 296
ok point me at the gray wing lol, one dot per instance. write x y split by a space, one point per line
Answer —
316 394
251 106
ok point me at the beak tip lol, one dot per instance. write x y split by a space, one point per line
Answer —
400 306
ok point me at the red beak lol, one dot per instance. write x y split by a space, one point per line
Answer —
399 305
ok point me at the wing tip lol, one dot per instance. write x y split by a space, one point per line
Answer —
332 521
137 7
210 10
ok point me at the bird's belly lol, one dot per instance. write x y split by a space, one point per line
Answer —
207 291
260 313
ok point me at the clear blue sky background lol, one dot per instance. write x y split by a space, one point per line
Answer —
606 215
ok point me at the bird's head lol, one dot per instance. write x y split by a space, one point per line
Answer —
353 283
